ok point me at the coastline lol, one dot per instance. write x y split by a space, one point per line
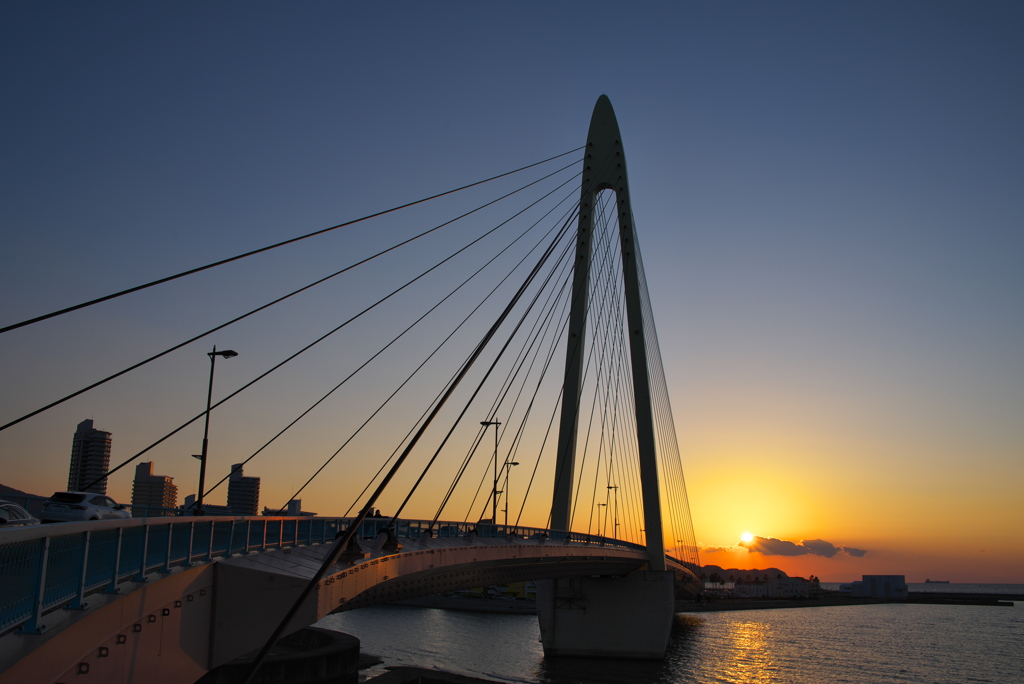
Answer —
529 607
403 674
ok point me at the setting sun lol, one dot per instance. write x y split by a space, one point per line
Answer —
746 537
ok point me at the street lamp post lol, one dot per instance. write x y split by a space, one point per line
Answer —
508 474
616 518
227 354
494 491
599 514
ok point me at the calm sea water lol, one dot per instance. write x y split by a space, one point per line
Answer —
870 644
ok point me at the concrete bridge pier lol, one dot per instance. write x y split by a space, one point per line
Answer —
607 617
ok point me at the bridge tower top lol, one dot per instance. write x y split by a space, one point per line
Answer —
604 168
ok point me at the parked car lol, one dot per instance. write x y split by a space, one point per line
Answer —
13 515
76 506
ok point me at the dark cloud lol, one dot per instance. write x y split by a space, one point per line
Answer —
716 549
774 547
820 547
770 546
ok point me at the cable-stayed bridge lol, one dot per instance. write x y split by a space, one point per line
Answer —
561 279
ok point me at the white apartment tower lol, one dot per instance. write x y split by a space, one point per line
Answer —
90 459
243 492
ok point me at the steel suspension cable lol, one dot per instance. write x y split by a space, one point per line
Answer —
606 266
549 317
436 350
400 335
283 298
345 539
466 460
490 369
556 333
198 269
296 354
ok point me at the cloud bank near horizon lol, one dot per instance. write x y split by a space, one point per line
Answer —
769 546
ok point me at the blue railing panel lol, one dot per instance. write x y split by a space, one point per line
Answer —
101 558
201 545
256 532
19 567
289 532
156 547
130 561
240 536
304 532
221 537
181 542
273 533
63 568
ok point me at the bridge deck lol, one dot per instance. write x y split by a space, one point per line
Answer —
121 577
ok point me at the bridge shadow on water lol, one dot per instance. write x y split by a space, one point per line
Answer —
681 656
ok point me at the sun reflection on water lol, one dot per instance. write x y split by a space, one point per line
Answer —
753 659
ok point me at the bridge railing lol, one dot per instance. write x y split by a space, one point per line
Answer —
44 567
48 566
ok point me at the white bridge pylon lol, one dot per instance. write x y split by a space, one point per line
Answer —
604 168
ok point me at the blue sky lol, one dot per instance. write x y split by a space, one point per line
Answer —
828 197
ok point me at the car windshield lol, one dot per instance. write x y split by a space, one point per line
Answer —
67 497
102 501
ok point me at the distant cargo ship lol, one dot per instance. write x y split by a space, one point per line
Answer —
928 581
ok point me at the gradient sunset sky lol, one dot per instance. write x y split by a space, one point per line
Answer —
829 199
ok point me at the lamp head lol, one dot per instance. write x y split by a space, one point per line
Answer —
225 353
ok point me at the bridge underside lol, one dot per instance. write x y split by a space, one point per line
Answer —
421 568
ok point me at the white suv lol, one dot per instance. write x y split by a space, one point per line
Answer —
76 506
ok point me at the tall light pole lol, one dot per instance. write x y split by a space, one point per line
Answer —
616 518
494 491
227 354
508 474
599 507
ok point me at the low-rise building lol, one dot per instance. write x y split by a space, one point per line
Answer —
890 587
294 510
189 507
777 587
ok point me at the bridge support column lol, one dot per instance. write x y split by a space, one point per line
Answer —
607 617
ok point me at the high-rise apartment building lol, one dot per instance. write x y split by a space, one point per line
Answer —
152 492
243 492
90 459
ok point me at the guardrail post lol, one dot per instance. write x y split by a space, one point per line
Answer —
141 576
231 539
170 538
191 541
33 626
78 603
209 549
112 587
248 535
